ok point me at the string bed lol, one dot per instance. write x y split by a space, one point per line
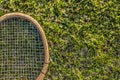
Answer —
21 50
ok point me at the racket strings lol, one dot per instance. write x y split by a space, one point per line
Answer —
21 50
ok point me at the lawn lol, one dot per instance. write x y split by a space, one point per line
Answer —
83 36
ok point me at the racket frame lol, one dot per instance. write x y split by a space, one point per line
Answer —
42 34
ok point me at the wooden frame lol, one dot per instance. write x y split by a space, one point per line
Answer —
46 51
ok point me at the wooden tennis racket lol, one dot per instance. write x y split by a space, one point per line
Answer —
23 48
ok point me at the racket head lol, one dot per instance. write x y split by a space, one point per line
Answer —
42 35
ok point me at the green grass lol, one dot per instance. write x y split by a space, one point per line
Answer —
83 36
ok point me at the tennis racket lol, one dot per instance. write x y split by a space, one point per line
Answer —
23 48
